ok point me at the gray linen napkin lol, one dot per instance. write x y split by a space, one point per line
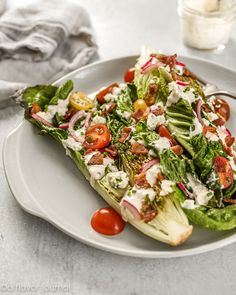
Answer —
41 42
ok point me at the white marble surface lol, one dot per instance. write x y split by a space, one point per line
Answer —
35 255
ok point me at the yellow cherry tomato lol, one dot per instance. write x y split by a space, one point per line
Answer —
80 101
140 104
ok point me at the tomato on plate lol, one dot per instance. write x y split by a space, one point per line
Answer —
222 110
129 75
96 137
102 93
224 171
35 108
80 101
164 132
107 221
140 104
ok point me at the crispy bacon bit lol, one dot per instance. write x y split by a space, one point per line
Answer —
112 151
168 60
158 111
160 177
228 151
153 88
229 140
208 129
177 149
189 74
206 108
97 159
124 134
141 181
150 100
148 212
88 151
112 107
139 114
230 201
138 149
35 108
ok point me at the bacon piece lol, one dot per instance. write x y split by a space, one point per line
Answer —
153 88
112 151
229 140
139 114
169 60
150 100
97 159
206 108
35 108
160 177
148 212
141 181
138 149
177 149
112 107
158 111
88 151
208 129
124 134
228 151
230 201
189 74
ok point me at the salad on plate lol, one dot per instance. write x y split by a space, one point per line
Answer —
153 147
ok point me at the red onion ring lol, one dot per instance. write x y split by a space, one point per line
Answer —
87 120
148 165
132 209
72 122
64 126
181 83
42 120
151 67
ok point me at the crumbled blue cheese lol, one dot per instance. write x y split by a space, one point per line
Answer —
166 187
118 180
201 193
161 144
109 97
46 116
197 127
212 136
136 196
189 204
124 114
179 69
98 171
71 143
212 116
98 120
154 121
178 91
222 133
205 122
151 174
116 91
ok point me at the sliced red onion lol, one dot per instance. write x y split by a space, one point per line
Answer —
64 125
228 132
151 67
198 110
42 120
72 122
184 189
148 165
178 63
181 83
87 120
147 63
132 209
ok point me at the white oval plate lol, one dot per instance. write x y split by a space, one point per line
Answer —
47 184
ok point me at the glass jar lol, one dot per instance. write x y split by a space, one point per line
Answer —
206 24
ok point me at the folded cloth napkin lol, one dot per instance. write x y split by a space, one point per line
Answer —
41 42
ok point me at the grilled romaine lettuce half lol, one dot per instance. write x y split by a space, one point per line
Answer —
170 226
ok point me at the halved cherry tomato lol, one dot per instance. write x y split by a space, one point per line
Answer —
107 221
96 137
102 93
35 108
80 101
177 149
224 171
129 75
222 110
140 104
164 132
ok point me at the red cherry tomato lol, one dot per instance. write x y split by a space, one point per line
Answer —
129 75
35 108
224 171
97 137
107 221
102 93
222 110
164 132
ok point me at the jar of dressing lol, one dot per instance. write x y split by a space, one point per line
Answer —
206 24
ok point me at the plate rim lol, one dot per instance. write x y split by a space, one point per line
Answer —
39 212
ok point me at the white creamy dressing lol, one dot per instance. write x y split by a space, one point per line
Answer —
178 91
136 196
166 187
71 143
124 114
98 120
200 192
212 116
153 121
205 122
118 180
189 204
206 24
212 136
197 128
222 133
98 171
179 70
61 108
161 143
151 174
